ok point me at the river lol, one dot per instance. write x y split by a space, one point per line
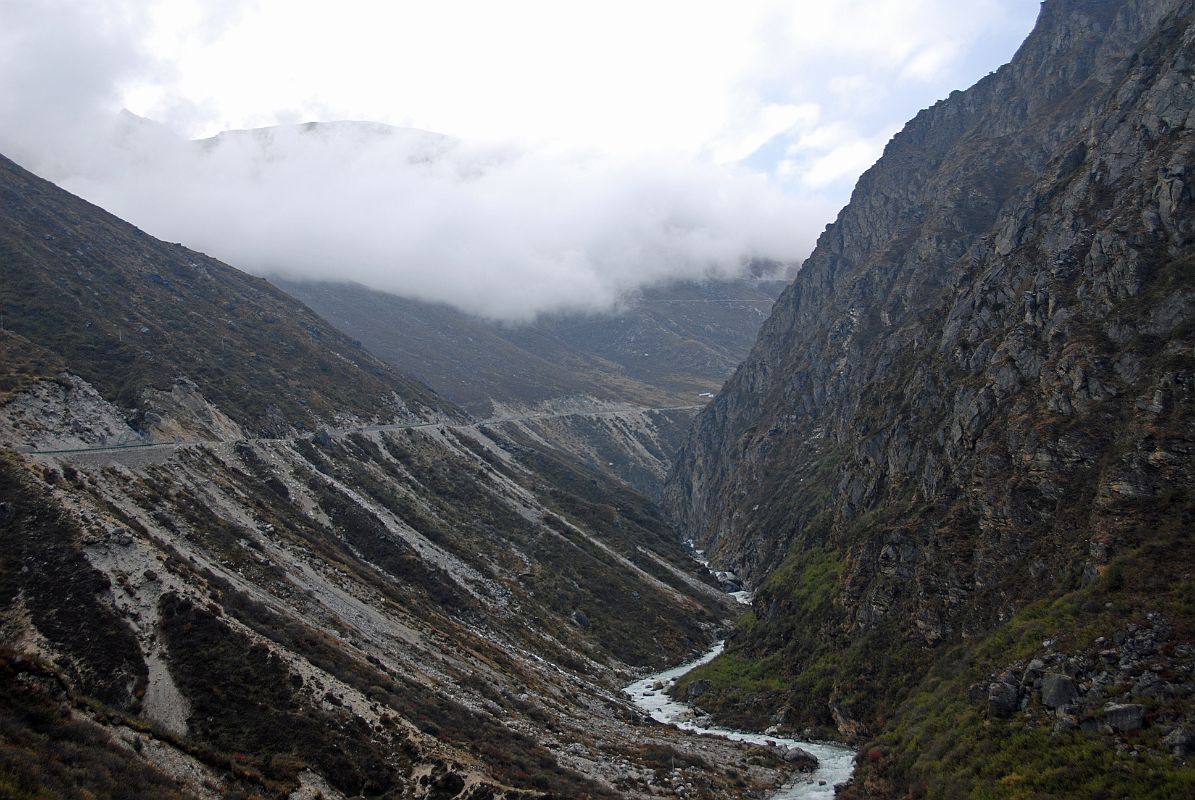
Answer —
835 763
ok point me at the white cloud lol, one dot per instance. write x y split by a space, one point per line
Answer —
846 160
623 75
500 231
931 61
756 126
624 122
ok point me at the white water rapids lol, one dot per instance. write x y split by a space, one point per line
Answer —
834 763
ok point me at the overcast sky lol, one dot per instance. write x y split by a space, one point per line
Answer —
596 146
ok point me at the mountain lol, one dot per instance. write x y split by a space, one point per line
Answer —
957 462
130 314
242 557
616 390
669 344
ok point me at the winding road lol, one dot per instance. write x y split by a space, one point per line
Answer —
167 447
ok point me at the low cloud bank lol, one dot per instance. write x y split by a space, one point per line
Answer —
500 231
504 231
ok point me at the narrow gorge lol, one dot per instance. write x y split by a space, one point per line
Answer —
911 518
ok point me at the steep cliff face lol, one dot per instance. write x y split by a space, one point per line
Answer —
978 391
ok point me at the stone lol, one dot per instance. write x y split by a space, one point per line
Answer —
697 688
794 755
1003 699
1066 724
1180 742
580 619
1057 690
1124 717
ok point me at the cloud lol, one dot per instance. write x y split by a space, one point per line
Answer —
832 153
507 231
502 231
629 124
756 125
62 65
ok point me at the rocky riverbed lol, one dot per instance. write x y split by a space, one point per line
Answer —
820 766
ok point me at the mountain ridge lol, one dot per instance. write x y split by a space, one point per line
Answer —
65 259
968 423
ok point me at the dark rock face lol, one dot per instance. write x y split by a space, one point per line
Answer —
999 268
978 391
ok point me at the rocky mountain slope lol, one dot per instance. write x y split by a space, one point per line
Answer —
130 313
665 348
958 461
616 390
307 576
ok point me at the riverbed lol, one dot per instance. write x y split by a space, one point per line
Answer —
835 763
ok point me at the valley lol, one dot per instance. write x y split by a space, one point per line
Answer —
616 390
274 592
913 520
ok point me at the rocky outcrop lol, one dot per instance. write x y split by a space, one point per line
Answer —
961 281
1137 678
978 391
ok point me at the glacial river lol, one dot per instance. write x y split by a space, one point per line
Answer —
835 763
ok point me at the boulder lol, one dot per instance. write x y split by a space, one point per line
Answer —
1057 690
1003 699
797 755
1124 717
697 688
1180 742
581 619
